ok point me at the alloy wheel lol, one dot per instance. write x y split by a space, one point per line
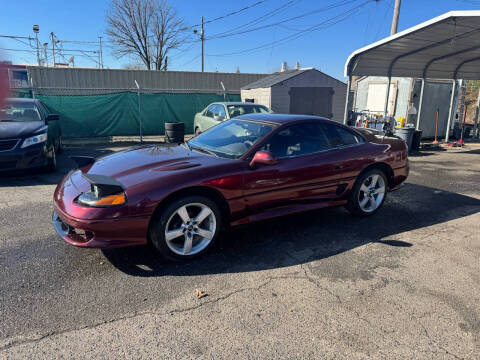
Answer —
190 229
371 193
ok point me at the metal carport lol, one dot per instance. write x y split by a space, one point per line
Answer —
445 47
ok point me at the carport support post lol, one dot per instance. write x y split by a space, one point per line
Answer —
388 94
420 104
349 85
450 111
476 131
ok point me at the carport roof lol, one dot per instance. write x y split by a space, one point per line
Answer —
445 47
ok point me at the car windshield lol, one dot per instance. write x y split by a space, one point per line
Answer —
19 111
237 110
230 139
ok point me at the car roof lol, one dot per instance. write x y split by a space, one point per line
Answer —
279 118
236 103
24 100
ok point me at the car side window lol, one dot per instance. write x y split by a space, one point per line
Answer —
210 111
297 140
220 111
42 110
338 136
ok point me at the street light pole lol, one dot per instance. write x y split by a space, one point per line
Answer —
36 29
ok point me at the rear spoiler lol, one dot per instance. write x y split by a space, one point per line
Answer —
103 185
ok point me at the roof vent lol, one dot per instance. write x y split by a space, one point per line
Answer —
284 66
297 66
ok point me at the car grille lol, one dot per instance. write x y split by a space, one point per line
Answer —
6 145
7 165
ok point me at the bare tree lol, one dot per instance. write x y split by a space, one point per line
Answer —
147 29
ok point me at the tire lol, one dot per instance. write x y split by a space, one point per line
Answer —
174 136
368 193
197 131
182 227
59 145
52 162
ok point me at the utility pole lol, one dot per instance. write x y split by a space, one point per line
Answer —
100 54
396 15
202 38
52 36
45 53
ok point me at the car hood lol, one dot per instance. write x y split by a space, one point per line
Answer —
141 164
20 129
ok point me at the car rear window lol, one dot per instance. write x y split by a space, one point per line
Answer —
237 110
338 136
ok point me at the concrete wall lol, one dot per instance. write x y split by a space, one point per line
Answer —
403 93
260 96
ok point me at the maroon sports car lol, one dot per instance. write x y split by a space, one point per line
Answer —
246 169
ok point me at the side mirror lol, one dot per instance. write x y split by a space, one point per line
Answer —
264 158
52 117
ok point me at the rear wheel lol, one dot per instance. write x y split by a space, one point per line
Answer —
186 228
368 193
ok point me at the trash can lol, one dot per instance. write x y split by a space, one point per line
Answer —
417 137
174 132
406 133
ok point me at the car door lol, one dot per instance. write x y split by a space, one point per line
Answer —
207 119
346 148
304 173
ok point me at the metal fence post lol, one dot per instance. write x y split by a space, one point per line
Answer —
139 111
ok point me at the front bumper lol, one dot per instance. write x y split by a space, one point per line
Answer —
30 157
104 233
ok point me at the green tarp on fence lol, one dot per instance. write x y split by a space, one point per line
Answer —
117 114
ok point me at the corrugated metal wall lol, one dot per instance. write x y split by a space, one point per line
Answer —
78 81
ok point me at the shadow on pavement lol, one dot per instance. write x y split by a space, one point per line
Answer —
33 177
301 238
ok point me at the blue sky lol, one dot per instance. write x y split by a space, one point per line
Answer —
325 49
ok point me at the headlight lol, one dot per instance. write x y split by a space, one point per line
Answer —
92 199
37 139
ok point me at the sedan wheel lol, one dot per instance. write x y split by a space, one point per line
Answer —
187 228
368 193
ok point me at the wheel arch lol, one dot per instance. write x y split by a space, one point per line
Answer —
206 191
385 168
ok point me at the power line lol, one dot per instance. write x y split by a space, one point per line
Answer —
260 18
329 22
332 6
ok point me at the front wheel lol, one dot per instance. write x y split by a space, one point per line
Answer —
186 228
368 193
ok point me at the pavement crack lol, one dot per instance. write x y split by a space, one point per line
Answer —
438 345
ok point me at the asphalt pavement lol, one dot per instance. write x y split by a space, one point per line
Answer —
404 283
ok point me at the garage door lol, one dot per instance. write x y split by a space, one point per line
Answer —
311 101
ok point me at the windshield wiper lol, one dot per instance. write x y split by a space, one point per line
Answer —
205 151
